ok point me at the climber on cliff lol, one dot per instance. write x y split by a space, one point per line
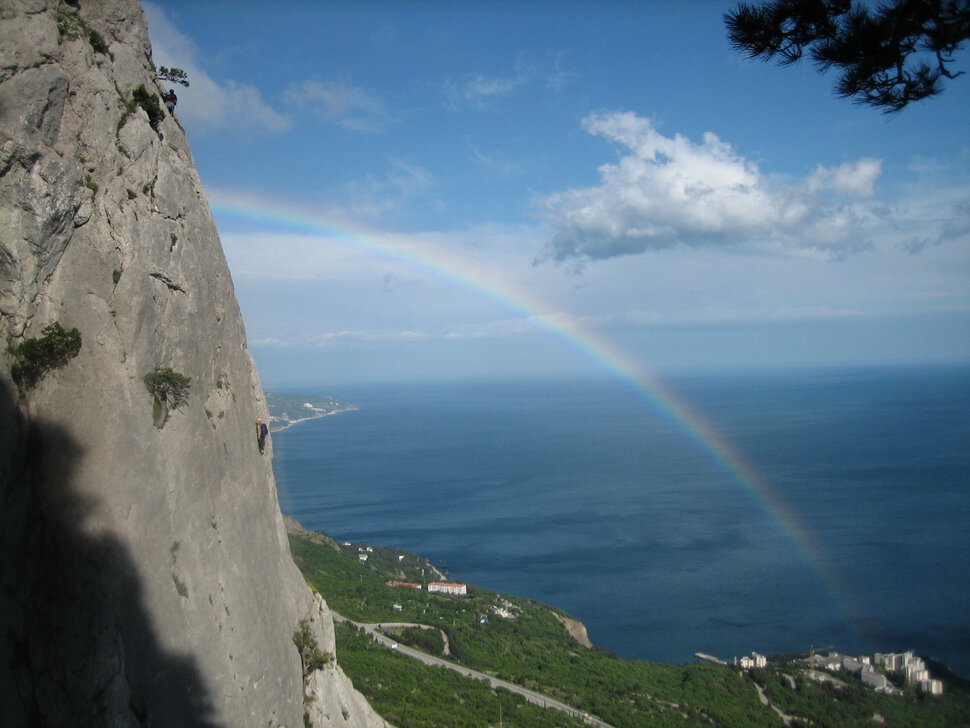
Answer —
170 100
261 432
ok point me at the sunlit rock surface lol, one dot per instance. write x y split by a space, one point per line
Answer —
146 577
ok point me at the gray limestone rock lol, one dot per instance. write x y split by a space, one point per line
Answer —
146 576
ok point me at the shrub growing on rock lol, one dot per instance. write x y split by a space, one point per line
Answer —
169 391
311 656
150 103
33 358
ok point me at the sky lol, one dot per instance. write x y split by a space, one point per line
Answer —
433 190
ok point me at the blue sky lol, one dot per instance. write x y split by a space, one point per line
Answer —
427 189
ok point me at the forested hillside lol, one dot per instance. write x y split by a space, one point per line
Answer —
525 642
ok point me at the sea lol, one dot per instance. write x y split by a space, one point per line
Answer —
847 528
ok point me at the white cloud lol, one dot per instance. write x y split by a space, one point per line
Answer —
718 314
853 179
207 103
345 105
376 196
380 289
295 258
670 191
549 70
526 326
498 167
478 91
499 329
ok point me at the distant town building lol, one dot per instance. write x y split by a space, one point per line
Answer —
411 584
855 665
913 667
747 663
833 662
890 662
872 671
444 587
876 680
917 673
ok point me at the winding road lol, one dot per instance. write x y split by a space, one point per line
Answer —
531 696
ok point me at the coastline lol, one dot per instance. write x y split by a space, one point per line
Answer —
459 483
274 427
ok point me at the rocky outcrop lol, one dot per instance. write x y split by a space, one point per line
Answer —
576 629
146 577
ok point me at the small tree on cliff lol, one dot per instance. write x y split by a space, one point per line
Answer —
311 656
34 358
172 75
169 391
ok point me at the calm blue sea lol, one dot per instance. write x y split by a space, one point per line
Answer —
582 495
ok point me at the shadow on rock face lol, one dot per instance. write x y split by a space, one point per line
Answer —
76 644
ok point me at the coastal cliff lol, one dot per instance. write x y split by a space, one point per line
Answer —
146 577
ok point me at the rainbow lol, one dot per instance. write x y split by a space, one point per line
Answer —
583 340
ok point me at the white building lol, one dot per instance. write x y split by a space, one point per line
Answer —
834 662
892 661
877 681
913 667
915 672
444 587
853 664
755 660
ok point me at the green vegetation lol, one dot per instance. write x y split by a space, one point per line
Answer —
528 646
97 42
172 75
34 358
411 695
169 391
150 103
311 656
71 26
426 640
846 702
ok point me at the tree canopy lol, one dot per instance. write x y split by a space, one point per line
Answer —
34 358
173 75
887 55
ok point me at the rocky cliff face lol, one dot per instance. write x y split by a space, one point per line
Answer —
146 577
